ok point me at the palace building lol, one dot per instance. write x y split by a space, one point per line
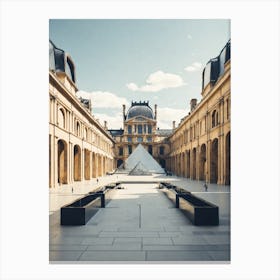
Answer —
140 127
200 145
80 148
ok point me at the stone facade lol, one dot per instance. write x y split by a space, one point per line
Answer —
200 145
140 126
80 148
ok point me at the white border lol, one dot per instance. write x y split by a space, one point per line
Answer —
255 138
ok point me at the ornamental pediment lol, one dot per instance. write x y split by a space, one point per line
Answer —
140 119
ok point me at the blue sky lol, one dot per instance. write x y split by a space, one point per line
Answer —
119 61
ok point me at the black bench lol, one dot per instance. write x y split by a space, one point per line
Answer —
198 210
81 210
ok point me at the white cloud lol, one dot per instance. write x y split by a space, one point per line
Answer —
189 36
114 119
158 81
167 115
103 99
132 86
113 122
194 67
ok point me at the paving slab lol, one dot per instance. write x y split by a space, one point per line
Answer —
190 247
66 240
132 246
65 255
170 234
178 256
67 247
113 256
124 240
220 255
129 234
188 240
217 239
157 241
98 241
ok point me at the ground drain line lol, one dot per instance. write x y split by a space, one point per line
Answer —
139 205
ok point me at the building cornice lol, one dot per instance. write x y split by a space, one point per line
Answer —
75 102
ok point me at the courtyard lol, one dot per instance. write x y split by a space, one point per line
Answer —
140 224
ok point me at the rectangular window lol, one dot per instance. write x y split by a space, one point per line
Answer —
129 139
139 139
149 139
161 150
140 129
129 149
149 129
129 130
120 151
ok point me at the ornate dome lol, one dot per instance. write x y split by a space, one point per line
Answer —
140 109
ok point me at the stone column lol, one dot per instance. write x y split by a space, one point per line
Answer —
197 155
96 165
52 161
70 163
82 163
208 161
191 164
221 160
55 151
90 165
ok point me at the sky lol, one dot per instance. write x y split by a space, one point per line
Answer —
120 61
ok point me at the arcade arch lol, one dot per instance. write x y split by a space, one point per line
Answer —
62 175
214 161
77 163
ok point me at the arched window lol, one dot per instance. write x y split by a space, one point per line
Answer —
161 150
215 118
78 128
61 118
86 134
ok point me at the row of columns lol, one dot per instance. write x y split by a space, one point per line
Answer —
70 162
209 162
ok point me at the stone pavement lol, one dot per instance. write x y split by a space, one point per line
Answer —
140 224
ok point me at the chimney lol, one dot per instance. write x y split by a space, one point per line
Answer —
193 103
155 111
173 124
105 125
123 106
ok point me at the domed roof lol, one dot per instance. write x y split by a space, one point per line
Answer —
140 109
